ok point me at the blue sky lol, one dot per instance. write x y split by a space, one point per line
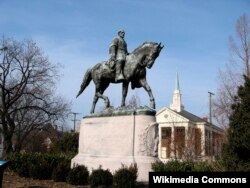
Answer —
77 34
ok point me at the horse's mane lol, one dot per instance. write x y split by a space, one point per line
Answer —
142 45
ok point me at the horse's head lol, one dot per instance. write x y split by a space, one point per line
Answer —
150 52
154 53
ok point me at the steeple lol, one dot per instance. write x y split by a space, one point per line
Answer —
176 105
177 85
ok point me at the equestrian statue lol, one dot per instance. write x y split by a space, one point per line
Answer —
133 70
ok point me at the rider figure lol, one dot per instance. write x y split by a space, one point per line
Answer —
118 52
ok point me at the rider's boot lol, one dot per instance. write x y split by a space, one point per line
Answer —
118 73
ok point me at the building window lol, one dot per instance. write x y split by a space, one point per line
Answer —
179 142
165 142
207 142
197 142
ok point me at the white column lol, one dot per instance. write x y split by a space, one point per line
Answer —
172 155
203 141
186 136
160 143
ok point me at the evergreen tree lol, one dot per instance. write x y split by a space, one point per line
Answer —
236 153
67 144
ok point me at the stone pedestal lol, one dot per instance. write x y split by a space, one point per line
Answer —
119 137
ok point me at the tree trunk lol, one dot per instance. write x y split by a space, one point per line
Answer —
7 145
18 146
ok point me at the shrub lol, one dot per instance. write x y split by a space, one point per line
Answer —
177 166
203 167
36 165
171 166
23 170
78 176
185 166
134 170
16 161
158 166
61 172
125 177
41 171
100 177
19 163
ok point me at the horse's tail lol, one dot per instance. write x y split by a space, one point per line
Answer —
85 82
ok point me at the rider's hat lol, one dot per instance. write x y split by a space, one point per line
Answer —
121 31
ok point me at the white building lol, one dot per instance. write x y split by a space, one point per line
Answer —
183 135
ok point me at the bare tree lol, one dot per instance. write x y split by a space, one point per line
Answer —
27 96
134 101
241 50
232 76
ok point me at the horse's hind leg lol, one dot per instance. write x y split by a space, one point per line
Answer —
100 88
94 103
99 94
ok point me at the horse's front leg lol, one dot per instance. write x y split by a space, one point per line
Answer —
145 85
124 93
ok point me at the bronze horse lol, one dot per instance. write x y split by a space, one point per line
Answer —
134 71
